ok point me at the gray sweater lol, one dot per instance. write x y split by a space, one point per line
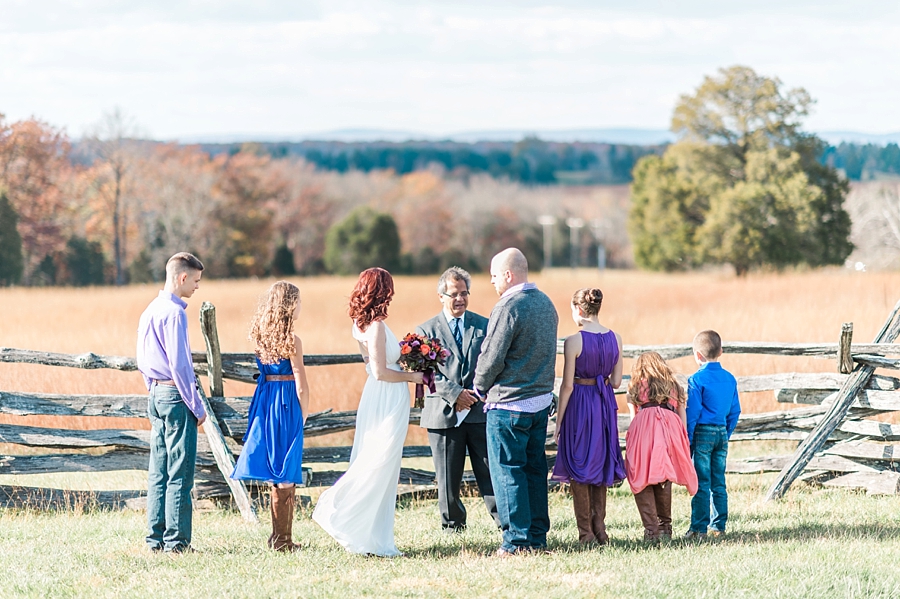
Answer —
518 355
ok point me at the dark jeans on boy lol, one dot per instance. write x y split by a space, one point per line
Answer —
173 453
519 475
709 450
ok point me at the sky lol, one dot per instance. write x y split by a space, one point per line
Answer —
184 69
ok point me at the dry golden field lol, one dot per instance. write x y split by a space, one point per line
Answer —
644 308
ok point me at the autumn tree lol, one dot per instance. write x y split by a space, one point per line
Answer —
10 244
113 141
174 186
34 167
742 186
246 188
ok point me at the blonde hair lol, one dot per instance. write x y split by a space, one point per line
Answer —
651 374
272 327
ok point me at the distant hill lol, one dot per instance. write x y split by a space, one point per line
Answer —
626 136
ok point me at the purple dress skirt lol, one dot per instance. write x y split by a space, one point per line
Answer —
589 451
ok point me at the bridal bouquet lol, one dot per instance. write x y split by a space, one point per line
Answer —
419 353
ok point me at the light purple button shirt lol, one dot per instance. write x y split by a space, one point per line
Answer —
163 351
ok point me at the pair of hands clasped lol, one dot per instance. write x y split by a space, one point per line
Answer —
465 400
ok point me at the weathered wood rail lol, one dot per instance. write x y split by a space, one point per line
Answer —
859 451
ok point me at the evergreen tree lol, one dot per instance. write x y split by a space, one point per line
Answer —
11 261
85 262
365 238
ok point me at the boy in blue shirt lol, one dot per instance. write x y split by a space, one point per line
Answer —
712 410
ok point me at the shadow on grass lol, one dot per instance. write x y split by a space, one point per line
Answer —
781 534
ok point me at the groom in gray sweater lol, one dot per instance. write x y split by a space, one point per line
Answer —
516 371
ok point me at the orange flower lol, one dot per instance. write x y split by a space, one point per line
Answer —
405 349
424 349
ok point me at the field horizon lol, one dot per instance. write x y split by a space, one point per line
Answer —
644 308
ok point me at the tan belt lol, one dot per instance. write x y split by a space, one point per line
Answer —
279 377
586 382
166 383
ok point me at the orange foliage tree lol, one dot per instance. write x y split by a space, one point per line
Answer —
34 168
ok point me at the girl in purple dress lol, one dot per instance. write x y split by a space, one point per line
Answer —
273 444
589 457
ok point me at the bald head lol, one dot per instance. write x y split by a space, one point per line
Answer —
508 269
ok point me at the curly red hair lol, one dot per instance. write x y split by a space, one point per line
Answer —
370 298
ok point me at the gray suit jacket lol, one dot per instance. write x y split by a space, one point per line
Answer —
457 372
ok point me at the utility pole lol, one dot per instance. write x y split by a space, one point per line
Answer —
575 225
598 227
547 222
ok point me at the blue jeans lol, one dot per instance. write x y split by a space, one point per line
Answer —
173 453
519 476
709 449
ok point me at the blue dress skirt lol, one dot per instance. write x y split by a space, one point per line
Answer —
273 443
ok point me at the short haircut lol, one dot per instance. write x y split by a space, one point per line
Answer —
709 344
454 273
182 262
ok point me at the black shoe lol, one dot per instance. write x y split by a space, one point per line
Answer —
178 549
454 529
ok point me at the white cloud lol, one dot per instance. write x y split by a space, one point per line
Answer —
208 67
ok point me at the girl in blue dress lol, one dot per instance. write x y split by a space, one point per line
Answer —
273 444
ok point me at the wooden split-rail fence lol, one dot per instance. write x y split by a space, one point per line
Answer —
840 444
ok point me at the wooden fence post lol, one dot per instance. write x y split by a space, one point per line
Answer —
213 351
845 358
224 459
835 415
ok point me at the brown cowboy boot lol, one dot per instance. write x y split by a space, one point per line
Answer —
646 504
283 519
598 511
663 496
581 498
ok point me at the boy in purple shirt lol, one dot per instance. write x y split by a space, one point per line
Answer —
175 409
712 410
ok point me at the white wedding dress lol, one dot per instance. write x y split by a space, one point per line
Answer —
358 511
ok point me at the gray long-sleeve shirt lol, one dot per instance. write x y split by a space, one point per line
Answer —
518 355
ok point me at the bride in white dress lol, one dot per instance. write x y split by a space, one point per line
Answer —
358 511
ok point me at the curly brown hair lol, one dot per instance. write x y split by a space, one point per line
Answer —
651 374
370 298
272 327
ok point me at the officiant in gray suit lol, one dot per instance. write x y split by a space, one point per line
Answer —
454 416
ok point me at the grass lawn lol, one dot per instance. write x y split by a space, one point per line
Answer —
815 543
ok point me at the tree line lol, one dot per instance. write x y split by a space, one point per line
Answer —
530 161
111 209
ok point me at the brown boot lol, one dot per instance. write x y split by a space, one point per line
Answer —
598 513
646 504
283 519
581 498
663 495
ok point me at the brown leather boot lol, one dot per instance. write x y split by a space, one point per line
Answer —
581 498
598 513
663 495
283 519
646 504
